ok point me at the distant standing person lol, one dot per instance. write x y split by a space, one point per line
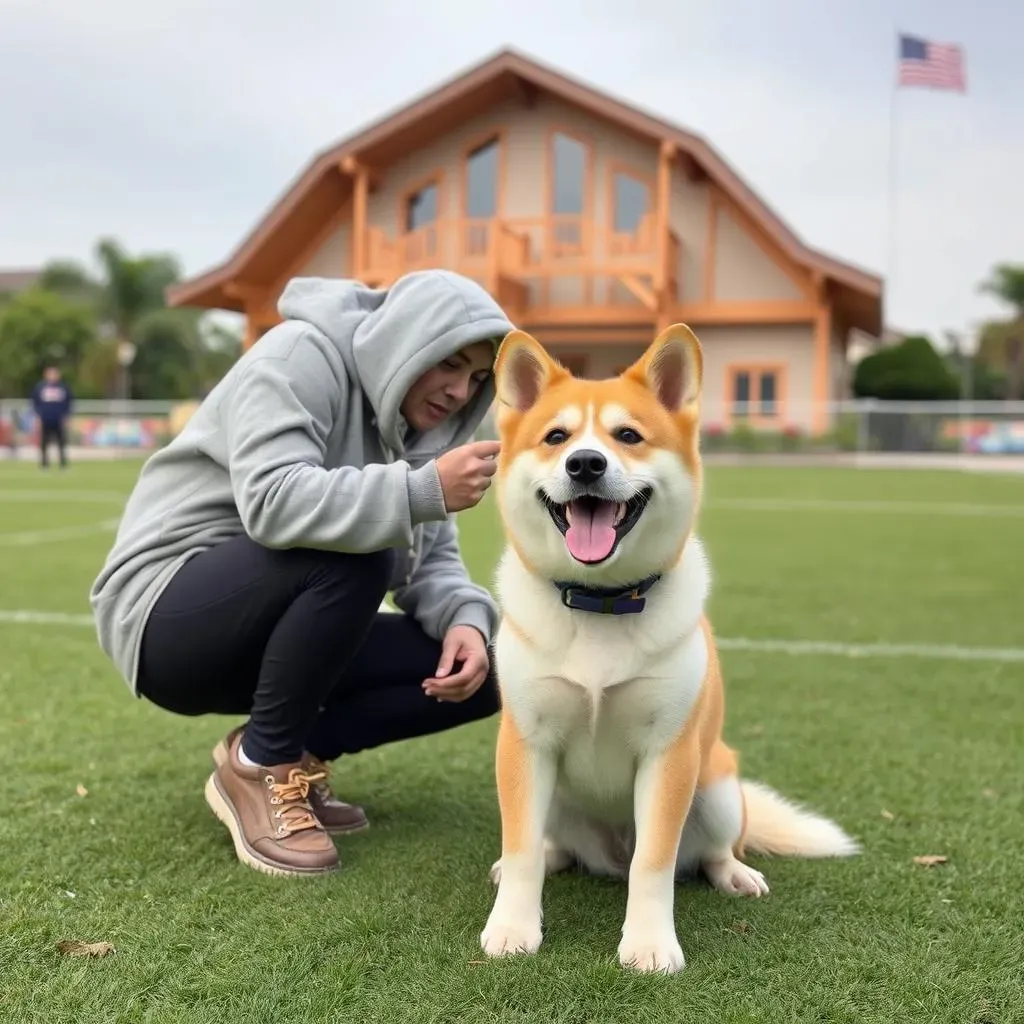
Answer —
52 401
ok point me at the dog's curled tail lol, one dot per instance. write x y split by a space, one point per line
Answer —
776 825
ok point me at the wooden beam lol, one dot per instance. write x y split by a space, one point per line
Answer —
583 316
640 290
249 338
247 292
822 367
662 200
359 225
784 312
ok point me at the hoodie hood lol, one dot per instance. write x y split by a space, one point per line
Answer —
388 337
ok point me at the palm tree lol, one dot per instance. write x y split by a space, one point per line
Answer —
128 297
1007 285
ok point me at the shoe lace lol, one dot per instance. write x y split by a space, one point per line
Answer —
321 773
293 812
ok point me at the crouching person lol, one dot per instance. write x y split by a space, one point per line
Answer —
255 550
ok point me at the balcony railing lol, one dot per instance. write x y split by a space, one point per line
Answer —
509 253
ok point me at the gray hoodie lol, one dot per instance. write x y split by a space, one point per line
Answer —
302 444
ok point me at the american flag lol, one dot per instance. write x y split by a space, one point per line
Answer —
938 65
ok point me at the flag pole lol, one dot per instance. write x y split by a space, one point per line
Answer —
892 188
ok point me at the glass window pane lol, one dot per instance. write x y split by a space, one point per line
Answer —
741 393
630 196
421 208
482 181
569 174
768 394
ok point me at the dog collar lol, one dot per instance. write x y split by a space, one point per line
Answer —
607 600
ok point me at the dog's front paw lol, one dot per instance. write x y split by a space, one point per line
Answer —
649 951
501 938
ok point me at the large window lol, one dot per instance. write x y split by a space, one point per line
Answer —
481 198
631 199
568 175
754 392
421 207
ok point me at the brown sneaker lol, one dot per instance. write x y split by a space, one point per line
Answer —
267 812
336 816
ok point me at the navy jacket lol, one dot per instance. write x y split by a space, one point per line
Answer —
52 402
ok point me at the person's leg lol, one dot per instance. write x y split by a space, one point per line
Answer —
380 698
60 432
243 629
44 444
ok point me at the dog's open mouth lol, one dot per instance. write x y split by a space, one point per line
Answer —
593 526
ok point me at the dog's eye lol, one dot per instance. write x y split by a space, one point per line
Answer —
556 436
627 435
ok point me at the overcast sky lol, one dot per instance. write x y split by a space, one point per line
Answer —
174 125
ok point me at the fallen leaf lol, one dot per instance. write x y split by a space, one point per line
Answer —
888 815
478 961
989 793
930 860
73 947
81 790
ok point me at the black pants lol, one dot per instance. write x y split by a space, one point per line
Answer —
294 640
52 432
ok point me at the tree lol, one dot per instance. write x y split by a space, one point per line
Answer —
1006 340
912 371
125 298
37 326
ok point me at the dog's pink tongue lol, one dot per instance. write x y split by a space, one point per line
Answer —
591 536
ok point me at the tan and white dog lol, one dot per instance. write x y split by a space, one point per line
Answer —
610 751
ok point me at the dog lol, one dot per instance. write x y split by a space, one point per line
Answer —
610 753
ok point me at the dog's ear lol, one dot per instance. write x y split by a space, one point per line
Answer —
522 370
672 368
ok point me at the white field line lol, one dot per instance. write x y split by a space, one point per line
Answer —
54 497
914 508
820 648
35 538
934 652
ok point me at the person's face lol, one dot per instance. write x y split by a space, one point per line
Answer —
448 387
52 374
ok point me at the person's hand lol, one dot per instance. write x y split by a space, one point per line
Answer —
463 645
466 473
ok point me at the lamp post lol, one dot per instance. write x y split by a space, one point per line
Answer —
125 357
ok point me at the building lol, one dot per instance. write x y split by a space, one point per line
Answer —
591 222
14 281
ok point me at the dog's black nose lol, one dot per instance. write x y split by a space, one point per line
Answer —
586 465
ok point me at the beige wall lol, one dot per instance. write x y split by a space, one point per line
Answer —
787 348
790 347
332 259
743 270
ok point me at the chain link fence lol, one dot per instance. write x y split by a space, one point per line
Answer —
919 428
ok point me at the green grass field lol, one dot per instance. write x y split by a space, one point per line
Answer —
916 750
